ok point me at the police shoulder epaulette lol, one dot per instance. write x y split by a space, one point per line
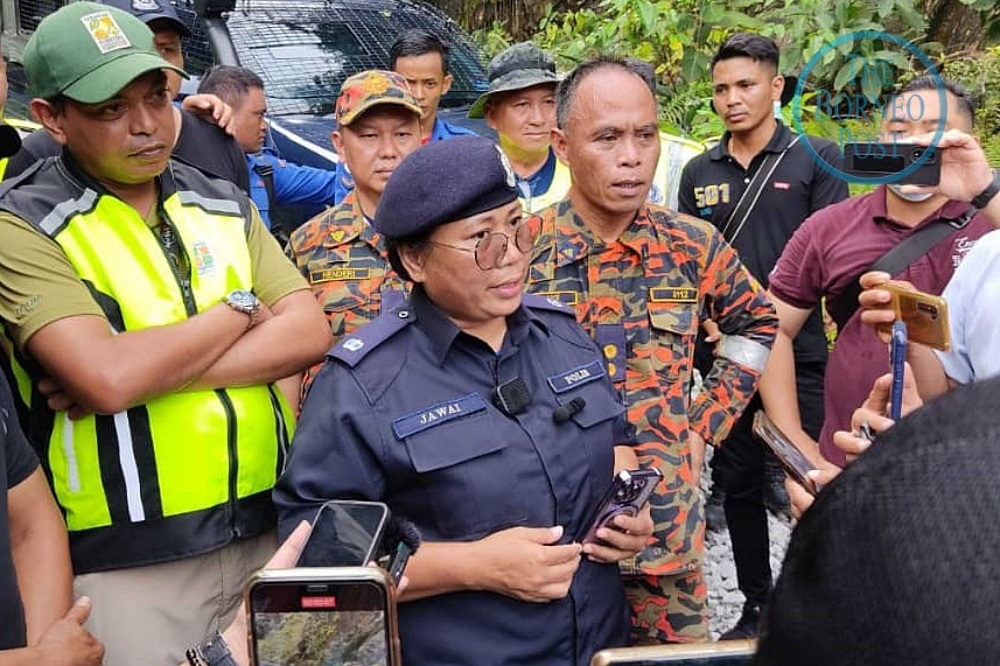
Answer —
355 346
536 302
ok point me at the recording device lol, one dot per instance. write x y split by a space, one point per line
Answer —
345 533
629 492
333 616
512 396
897 357
877 160
925 316
401 540
566 412
789 455
722 653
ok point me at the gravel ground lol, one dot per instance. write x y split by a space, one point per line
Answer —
725 602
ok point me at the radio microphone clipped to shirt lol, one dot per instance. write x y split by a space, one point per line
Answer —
566 412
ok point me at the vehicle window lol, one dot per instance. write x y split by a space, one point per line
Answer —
304 51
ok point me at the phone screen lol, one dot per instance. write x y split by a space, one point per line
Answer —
343 624
344 534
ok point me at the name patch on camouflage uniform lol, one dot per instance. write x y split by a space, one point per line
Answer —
340 273
437 414
584 374
564 297
673 295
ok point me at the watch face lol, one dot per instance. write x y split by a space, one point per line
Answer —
243 299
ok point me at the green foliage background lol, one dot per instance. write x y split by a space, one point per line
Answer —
679 36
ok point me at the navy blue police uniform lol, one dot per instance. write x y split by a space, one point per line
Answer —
406 417
404 411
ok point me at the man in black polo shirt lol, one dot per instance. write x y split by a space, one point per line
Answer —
747 92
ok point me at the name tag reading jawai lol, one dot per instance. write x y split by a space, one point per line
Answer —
435 415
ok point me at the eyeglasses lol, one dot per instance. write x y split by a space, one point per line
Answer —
491 249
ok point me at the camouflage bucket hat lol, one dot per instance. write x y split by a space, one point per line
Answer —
521 66
370 88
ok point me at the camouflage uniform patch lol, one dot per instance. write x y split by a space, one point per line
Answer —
642 298
345 261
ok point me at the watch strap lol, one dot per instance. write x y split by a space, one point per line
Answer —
983 199
215 652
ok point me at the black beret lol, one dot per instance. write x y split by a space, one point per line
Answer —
442 182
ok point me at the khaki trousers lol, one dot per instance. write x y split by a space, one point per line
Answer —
148 616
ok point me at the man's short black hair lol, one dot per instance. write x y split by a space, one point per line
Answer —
418 42
966 102
566 90
230 83
747 45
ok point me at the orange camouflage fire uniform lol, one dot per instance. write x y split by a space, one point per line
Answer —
642 298
346 264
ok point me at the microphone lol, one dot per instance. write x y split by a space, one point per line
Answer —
566 412
403 539
511 397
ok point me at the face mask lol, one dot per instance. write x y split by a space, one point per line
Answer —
912 197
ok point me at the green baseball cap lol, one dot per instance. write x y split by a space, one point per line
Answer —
88 52
520 66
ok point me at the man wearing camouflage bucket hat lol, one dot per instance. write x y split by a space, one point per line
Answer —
521 106
338 251
147 312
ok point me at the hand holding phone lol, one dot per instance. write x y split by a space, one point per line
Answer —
629 492
879 160
345 533
925 316
342 615
897 357
789 455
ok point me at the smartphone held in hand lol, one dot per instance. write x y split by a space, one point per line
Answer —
791 458
925 316
629 492
345 533
338 616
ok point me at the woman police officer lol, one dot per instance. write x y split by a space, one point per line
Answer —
484 417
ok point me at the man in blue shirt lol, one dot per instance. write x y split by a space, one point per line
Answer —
422 58
289 183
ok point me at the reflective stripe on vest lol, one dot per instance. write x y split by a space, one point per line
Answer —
181 452
562 179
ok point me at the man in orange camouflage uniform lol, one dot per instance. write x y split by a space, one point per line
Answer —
338 251
641 278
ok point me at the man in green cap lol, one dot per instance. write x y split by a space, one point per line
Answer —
520 105
147 312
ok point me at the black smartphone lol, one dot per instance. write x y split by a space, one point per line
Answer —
336 617
876 160
345 533
789 455
629 492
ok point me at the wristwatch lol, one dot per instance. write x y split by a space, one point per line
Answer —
983 199
244 301
212 652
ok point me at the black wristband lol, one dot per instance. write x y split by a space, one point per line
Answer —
983 199
212 652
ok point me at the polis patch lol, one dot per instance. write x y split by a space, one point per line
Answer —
435 415
570 379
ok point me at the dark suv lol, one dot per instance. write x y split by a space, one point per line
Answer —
303 51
